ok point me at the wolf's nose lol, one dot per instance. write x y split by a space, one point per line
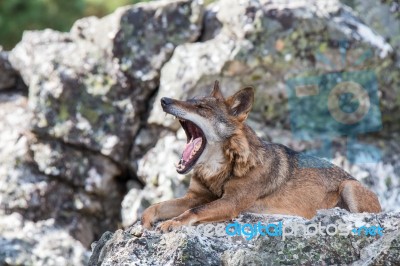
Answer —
166 101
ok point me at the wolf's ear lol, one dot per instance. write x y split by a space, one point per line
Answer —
241 102
216 92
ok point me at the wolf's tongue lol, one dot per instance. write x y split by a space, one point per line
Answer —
190 147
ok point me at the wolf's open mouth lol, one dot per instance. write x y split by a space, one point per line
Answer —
196 142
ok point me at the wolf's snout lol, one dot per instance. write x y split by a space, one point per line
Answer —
166 101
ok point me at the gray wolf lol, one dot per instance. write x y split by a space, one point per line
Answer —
235 171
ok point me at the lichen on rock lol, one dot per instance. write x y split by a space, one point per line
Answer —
188 246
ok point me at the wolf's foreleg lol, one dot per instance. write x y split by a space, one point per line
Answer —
170 208
235 200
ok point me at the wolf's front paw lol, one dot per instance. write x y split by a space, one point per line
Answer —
149 217
169 225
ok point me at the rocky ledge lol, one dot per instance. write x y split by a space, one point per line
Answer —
357 239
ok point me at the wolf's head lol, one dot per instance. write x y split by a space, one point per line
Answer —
208 120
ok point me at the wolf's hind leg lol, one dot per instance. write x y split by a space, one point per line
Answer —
357 198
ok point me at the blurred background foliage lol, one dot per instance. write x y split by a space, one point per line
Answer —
19 15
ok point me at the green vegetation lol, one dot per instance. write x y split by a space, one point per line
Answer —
19 15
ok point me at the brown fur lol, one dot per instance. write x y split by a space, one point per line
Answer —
241 173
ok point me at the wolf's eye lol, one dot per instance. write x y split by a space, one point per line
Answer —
202 106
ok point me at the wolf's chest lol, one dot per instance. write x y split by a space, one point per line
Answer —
213 169
213 180
215 184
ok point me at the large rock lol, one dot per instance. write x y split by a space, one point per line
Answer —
64 152
38 214
42 243
89 87
43 179
194 246
266 43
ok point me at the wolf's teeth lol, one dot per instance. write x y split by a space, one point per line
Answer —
197 147
179 166
174 117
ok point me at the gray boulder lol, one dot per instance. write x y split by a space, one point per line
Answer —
65 149
64 153
266 43
42 243
210 245
47 179
38 220
89 87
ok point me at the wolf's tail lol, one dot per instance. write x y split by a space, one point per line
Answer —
357 198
